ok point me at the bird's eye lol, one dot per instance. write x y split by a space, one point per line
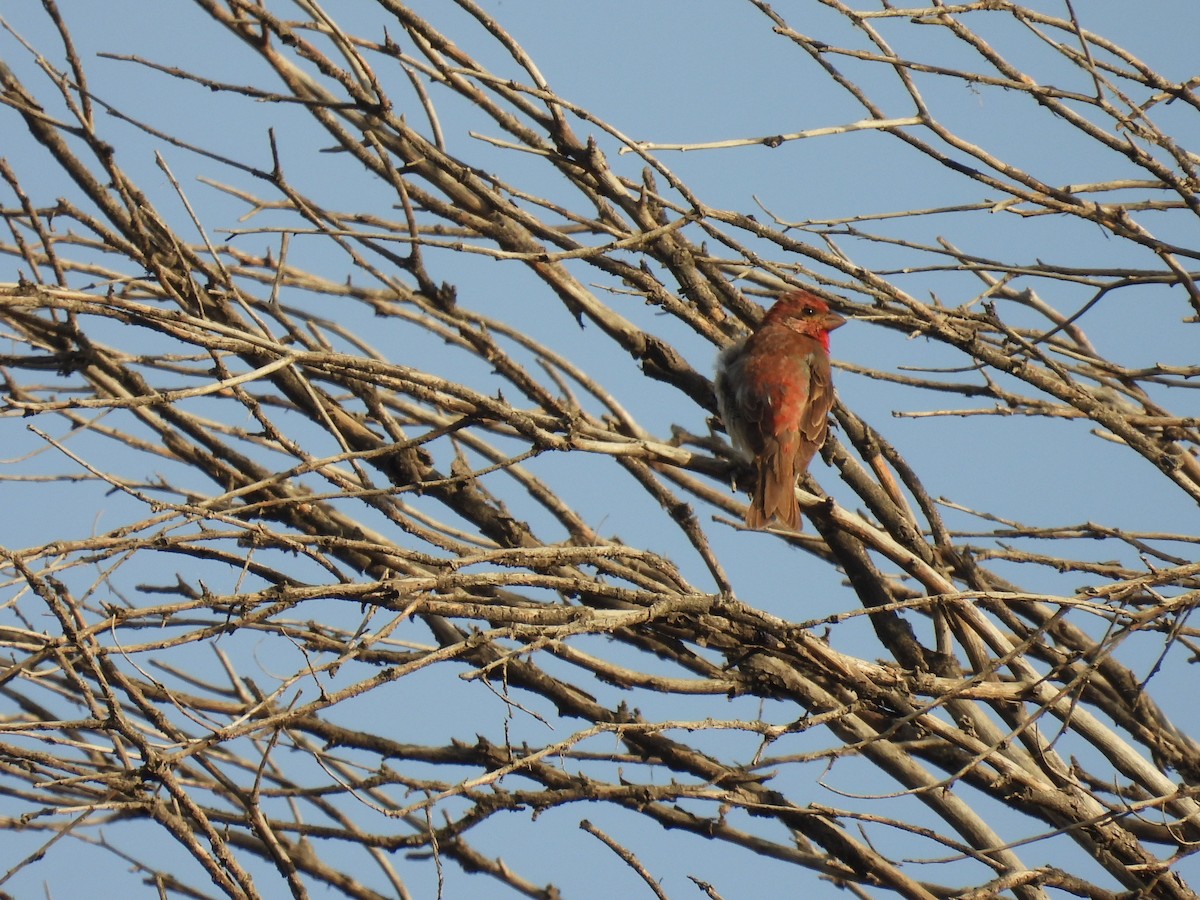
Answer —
810 311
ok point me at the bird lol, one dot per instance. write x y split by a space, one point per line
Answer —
774 393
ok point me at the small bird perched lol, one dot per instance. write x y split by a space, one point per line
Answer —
774 392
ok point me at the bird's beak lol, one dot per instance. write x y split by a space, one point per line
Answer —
832 320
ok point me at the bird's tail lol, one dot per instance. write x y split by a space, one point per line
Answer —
775 492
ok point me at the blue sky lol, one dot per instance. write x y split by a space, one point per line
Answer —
670 71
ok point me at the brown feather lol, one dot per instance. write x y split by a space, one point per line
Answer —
774 392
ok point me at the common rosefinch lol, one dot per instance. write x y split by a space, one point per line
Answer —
774 392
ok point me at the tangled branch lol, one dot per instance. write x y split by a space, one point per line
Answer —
352 505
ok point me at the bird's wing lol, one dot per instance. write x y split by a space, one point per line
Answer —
815 424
